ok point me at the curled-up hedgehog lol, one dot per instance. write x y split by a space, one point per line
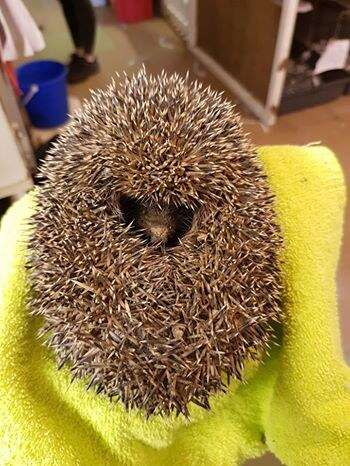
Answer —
154 252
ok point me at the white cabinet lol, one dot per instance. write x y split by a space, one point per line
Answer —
16 157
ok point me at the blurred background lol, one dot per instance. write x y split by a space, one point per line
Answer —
285 63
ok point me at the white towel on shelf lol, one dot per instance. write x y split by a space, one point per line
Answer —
20 36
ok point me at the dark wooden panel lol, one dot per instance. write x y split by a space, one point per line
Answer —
241 36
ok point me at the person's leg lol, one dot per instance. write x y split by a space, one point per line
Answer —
69 10
86 26
80 17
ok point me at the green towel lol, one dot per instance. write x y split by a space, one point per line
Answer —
296 403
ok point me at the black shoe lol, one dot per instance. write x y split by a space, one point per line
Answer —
80 69
74 57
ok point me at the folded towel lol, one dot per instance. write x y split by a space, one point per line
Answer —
296 403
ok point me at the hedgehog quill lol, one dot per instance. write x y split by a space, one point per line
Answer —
154 253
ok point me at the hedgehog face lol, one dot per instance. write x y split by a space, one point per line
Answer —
163 225
154 254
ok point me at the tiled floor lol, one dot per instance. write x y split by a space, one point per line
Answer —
121 47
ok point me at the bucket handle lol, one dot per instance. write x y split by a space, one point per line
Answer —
26 98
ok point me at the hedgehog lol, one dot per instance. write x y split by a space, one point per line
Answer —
154 252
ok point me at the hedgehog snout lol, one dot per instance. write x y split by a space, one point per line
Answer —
159 233
157 223
163 226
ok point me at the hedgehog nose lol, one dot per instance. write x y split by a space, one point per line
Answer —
159 233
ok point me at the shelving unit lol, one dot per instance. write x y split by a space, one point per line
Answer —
247 45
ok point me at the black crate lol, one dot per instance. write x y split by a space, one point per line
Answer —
333 84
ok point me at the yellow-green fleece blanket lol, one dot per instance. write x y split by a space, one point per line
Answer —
295 404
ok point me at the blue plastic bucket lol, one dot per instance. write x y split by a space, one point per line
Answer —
44 87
